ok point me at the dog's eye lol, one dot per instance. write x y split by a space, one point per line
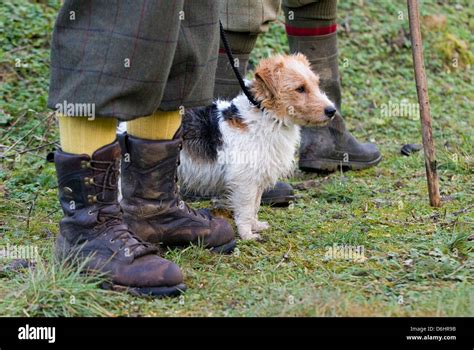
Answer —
301 89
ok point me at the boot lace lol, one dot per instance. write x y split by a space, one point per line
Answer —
107 220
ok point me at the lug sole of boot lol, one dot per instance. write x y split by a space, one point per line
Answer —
331 165
151 292
279 201
61 255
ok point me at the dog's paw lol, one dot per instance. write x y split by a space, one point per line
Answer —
260 226
249 236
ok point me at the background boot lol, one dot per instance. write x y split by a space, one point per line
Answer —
151 203
93 230
333 147
311 30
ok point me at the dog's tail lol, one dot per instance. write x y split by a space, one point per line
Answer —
201 134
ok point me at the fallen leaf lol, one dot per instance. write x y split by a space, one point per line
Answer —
434 22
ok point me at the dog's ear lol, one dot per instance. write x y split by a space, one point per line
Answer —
266 78
266 82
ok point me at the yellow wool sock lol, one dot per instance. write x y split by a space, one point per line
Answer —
160 125
79 135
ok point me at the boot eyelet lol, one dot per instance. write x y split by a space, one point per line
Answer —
88 181
85 164
91 198
111 241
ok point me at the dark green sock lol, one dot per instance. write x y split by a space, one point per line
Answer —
226 84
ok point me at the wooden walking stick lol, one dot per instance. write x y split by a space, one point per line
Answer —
424 103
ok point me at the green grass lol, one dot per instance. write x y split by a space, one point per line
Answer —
419 262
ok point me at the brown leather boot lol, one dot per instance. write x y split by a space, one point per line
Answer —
93 230
151 203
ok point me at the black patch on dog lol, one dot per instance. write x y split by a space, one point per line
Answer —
202 138
232 115
231 112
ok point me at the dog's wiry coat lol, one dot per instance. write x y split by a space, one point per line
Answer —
236 149
248 161
202 134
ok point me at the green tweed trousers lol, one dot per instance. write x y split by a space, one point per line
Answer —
132 57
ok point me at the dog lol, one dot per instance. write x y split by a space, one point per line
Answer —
239 150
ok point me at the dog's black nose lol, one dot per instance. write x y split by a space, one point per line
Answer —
330 111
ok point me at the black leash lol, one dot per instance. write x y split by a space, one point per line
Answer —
234 68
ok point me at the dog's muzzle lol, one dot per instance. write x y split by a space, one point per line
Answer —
330 112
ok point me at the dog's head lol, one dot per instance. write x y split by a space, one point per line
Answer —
286 86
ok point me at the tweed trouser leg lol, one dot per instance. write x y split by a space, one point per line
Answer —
131 58
243 20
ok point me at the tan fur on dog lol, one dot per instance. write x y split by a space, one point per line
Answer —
287 86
